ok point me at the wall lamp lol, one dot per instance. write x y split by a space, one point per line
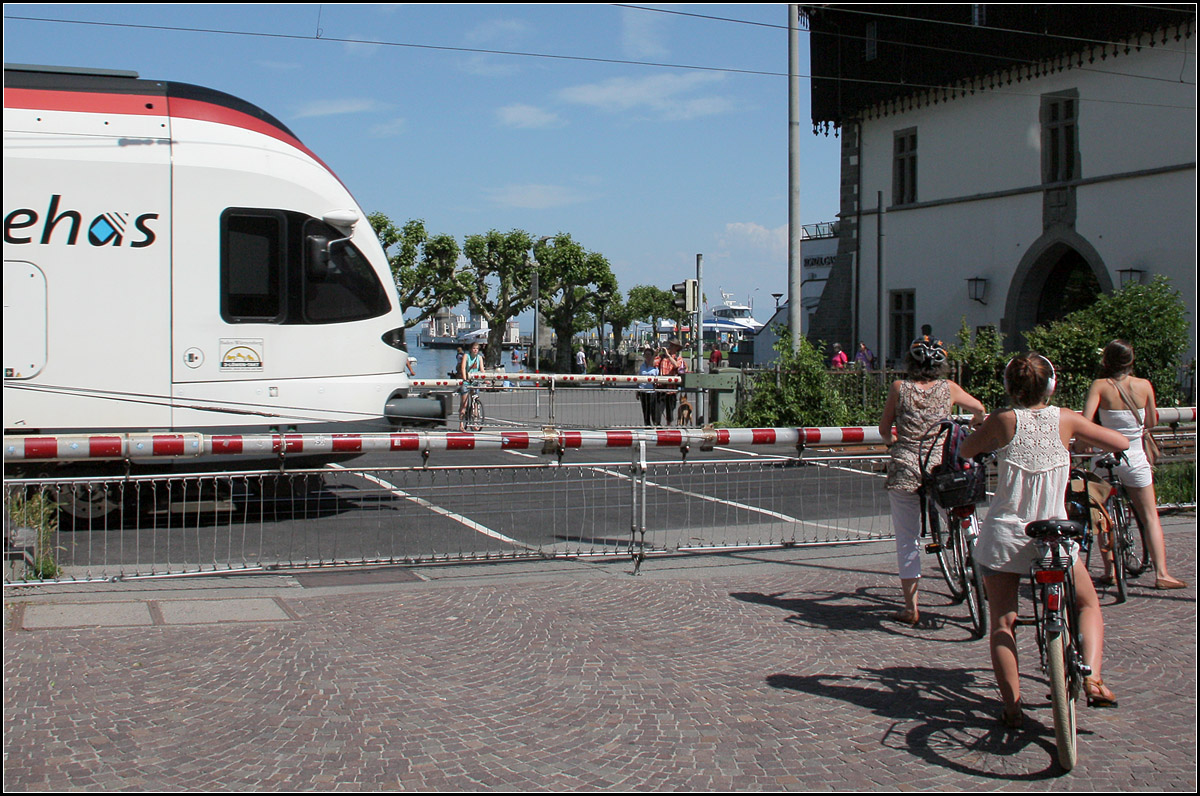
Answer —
977 289
1130 276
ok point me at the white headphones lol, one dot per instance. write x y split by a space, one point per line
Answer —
1051 383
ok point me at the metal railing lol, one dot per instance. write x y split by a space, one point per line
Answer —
149 526
533 400
418 510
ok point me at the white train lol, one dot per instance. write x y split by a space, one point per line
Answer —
176 259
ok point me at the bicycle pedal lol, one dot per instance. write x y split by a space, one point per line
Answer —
933 548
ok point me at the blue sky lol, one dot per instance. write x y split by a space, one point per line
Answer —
648 165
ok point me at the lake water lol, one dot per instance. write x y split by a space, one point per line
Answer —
437 363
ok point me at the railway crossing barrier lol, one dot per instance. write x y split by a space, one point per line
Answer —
727 488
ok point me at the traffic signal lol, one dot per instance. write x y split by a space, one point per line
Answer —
685 295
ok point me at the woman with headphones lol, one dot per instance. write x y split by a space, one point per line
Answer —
1031 439
914 405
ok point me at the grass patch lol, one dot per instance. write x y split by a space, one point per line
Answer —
1175 482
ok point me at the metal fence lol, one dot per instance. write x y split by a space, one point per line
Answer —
534 400
219 522
597 401
531 504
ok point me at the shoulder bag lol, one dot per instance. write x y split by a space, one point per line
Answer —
1149 443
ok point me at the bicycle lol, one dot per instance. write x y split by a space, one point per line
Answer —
956 491
471 417
1056 623
1130 556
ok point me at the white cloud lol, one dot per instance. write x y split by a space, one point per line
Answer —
665 96
640 36
527 117
388 129
506 31
536 197
496 34
756 237
337 107
360 46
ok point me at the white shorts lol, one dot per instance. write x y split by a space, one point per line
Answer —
1135 472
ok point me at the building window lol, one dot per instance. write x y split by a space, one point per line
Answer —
904 167
872 42
1060 136
903 317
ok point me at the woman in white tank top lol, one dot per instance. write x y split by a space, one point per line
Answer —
1111 397
1031 441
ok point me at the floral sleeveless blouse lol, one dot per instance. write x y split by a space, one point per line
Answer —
918 408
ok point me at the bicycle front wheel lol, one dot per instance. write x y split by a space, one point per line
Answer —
949 554
1135 556
475 414
973 582
1062 701
1119 534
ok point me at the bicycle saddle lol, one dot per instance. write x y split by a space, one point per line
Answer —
1040 529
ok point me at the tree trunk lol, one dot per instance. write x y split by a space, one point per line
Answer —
495 338
564 353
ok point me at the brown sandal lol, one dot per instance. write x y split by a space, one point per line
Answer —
1098 694
910 618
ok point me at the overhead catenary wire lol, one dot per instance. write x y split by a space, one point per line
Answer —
318 36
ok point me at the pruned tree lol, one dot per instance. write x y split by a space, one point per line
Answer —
574 285
423 267
497 281
651 304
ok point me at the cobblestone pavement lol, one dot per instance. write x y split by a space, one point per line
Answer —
766 670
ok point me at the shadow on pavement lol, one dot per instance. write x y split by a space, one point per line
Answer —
941 717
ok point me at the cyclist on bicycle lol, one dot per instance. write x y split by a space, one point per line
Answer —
913 405
470 365
1031 440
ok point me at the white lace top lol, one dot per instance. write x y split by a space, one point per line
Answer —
1032 481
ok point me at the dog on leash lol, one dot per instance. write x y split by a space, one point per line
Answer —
685 411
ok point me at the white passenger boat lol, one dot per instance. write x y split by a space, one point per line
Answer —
730 317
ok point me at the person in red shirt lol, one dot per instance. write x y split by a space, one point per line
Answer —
714 359
670 363
839 357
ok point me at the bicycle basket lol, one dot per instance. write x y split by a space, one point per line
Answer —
951 488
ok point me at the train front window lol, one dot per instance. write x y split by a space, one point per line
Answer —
345 288
282 266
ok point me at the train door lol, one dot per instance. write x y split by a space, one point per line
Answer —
87 202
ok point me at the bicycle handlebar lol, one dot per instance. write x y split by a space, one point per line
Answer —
1110 460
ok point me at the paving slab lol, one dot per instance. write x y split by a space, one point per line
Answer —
751 671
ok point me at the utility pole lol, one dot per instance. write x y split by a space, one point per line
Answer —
699 318
795 230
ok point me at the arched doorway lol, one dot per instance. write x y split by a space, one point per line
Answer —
1070 285
1059 274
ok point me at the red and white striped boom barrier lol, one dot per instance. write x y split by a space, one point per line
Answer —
139 446
85 447
548 379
